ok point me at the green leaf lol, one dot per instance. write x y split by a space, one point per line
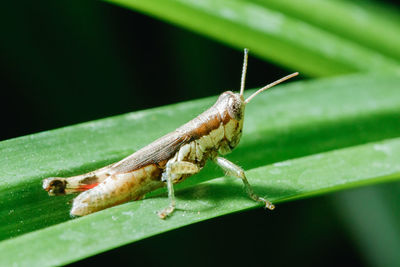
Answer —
321 173
285 35
294 120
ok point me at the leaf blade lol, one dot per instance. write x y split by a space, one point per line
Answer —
273 35
299 119
124 224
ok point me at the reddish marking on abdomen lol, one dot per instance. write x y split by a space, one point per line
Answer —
86 187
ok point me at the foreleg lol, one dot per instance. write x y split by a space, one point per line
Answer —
232 169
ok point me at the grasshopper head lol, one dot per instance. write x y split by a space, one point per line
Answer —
231 108
232 105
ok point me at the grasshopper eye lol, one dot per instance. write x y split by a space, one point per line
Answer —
236 108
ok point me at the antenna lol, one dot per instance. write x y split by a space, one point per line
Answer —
244 70
270 85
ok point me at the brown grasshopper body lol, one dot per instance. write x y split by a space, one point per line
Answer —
168 160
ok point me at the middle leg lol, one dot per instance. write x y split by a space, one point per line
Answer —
172 171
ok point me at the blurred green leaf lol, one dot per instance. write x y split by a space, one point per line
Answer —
372 219
286 36
296 119
375 29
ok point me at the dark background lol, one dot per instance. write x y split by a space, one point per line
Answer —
62 64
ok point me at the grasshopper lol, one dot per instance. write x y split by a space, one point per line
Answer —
168 160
